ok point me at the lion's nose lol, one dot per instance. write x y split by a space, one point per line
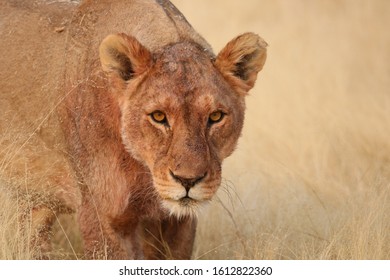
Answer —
188 183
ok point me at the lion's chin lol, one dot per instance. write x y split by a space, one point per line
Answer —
184 207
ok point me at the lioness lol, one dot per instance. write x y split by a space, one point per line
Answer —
119 110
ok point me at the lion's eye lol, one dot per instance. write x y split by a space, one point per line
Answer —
159 117
215 117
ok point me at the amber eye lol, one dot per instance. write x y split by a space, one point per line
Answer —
159 117
215 117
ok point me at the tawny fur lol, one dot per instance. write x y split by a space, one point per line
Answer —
85 84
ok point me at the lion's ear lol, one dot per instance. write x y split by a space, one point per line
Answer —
241 59
124 56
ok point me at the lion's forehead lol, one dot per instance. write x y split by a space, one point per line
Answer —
198 86
204 102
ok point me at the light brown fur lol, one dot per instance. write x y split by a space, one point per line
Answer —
136 183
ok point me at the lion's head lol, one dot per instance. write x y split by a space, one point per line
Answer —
182 110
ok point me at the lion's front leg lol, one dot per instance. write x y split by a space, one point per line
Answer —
170 238
103 240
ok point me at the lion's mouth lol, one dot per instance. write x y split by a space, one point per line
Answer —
181 202
185 206
187 201
184 201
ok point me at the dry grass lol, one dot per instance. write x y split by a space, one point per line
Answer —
13 240
311 176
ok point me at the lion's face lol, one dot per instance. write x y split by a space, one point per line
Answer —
182 121
181 116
